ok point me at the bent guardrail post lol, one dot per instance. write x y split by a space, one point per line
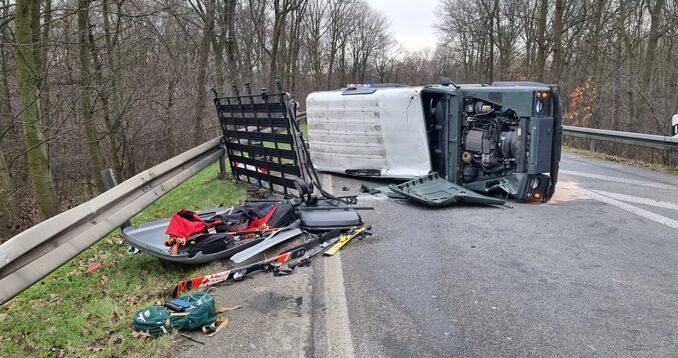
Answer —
33 254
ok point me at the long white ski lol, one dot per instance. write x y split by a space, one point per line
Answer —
276 238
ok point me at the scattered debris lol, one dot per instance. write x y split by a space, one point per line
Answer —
239 273
327 222
191 338
93 267
433 190
346 238
373 191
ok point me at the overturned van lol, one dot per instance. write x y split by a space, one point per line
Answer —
500 138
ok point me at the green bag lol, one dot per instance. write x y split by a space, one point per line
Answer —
201 314
154 320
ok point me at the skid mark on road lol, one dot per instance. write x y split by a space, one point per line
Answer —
620 180
632 209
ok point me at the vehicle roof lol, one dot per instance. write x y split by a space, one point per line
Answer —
503 86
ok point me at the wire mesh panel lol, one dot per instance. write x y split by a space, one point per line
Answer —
259 138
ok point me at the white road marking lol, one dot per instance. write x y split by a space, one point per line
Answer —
620 180
639 200
326 182
632 209
337 324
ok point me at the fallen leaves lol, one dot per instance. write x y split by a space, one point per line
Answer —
131 300
115 317
117 339
97 346
141 334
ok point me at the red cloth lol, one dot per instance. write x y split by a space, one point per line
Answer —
258 223
185 223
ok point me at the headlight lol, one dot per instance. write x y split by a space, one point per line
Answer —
538 107
535 183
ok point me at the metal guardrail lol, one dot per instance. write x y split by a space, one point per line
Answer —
645 140
33 254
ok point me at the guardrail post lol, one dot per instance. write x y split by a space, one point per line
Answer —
222 165
673 158
109 182
592 145
222 162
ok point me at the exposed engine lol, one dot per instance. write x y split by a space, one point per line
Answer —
493 141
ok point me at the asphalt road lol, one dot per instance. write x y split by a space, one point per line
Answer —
593 273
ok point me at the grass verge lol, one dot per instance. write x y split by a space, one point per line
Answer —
75 313
614 158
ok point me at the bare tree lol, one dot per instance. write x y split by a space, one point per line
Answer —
91 136
40 174
201 80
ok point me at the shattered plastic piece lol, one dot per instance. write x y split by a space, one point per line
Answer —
93 267
373 191
432 190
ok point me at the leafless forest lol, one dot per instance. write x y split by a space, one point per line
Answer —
123 84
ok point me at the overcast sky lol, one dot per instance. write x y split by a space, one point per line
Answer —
412 21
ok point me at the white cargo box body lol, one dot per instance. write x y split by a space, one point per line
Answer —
382 131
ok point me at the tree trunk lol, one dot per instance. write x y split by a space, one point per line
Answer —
232 44
44 65
6 115
201 80
493 40
653 40
91 137
541 40
103 94
6 196
40 173
6 188
278 25
119 123
556 66
4 69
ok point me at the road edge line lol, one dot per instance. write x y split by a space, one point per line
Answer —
337 325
